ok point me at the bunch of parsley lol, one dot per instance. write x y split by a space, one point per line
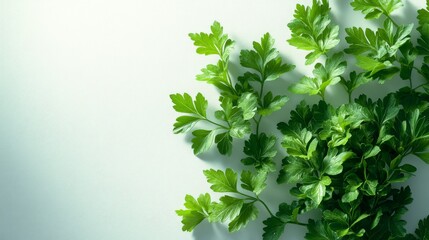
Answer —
344 162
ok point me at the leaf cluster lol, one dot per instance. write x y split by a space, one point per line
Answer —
347 161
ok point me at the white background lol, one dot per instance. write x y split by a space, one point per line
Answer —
86 144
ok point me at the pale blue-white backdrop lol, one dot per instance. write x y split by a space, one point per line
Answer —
86 144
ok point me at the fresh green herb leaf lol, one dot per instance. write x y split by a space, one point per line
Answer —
228 208
375 8
196 211
312 30
203 140
254 182
214 43
248 213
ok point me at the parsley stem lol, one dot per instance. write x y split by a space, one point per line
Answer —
418 70
228 76
391 19
265 205
256 199
214 123
350 97
257 125
298 223
419 86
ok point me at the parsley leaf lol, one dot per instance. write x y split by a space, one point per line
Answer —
184 104
272 104
214 43
222 181
375 8
248 213
265 59
318 230
260 150
324 76
422 231
228 208
274 228
203 140
196 211
312 30
254 182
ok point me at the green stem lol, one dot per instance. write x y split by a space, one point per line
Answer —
265 205
298 223
391 19
322 95
256 199
411 84
230 83
214 123
419 86
257 125
350 97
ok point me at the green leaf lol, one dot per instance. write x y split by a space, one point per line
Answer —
222 181
271 104
184 104
318 230
297 142
355 81
260 150
337 220
422 231
365 42
315 191
324 76
202 140
350 196
370 187
375 8
274 226
216 42
248 103
295 170
228 208
216 75
238 127
371 65
333 163
224 143
265 59
185 123
312 30
423 41
386 110
273 229
196 211
248 213
306 85
254 182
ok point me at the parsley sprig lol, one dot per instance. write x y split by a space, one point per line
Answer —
345 161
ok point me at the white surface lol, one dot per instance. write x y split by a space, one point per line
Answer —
87 150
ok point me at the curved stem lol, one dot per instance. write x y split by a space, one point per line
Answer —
419 86
265 205
214 123
391 19
228 76
257 125
298 223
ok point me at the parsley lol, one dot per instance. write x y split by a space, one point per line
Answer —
344 160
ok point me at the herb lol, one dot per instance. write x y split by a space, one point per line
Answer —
345 161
